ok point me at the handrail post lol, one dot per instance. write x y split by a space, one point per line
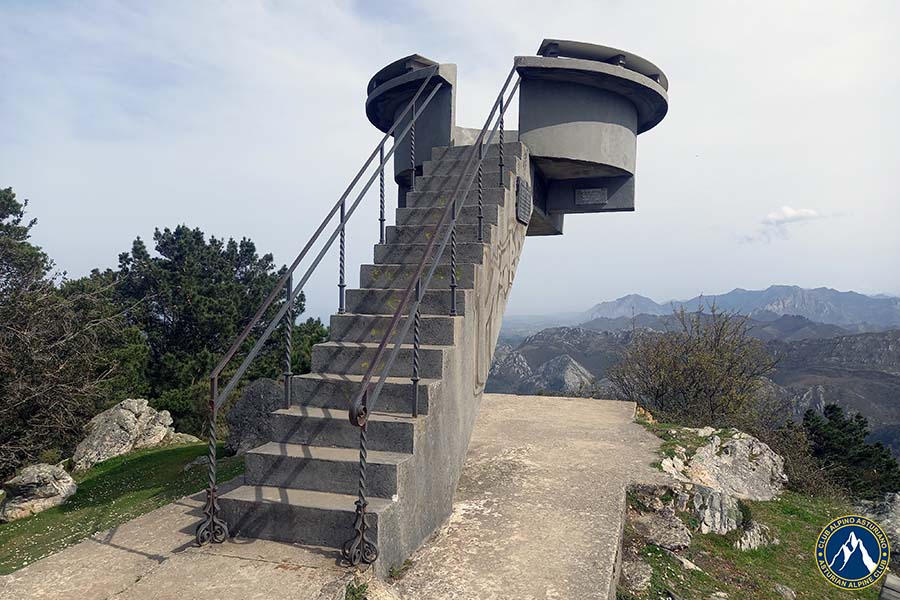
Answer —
416 339
480 193
288 342
342 259
412 151
211 528
501 141
381 194
453 260
360 548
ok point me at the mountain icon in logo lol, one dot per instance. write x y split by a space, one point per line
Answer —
853 547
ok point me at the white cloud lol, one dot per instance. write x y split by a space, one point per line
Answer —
775 225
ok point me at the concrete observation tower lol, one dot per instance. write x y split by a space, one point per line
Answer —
581 108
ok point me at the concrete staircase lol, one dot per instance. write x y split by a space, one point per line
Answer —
301 486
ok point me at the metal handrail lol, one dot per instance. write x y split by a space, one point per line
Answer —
212 528
364 401
360 548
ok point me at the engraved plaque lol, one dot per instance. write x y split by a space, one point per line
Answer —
523 201
591 197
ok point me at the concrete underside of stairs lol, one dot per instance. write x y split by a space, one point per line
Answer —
538 513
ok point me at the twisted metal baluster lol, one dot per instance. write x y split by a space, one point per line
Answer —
417 323
480 194
360 548
412 151
453 261
501 143
212 528
288 341
381 194
341 283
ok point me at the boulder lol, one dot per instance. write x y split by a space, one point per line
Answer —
36 488
173 438
716 511
249 423
756 536
663 528
636 575
740 465
785 592
886 513
129 425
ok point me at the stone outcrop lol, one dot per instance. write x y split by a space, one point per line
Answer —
560 375
886 513
36 488
129 425
663 528
249 420
636 574
739 465
756 536
716 511
509 370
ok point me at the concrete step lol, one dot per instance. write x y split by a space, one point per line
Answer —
331 427
356 357
380 301
298 516
432 216
334 470
394 254
433 329
490 168
399 276
516 149
329 390
495 195
447 183
422 234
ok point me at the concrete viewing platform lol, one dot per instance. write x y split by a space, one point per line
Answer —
538 513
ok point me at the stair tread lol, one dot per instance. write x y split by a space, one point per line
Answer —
329 453
305 498
368 315
316 412
359 378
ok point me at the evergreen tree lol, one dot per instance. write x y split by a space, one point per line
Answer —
868 471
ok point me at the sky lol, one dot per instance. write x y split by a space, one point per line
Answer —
776 164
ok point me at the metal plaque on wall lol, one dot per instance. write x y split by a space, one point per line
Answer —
523 201
590 197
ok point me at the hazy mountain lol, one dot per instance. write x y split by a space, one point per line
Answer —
766 326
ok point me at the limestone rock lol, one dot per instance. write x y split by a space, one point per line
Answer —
559 375
173 438
785 592
886 513
739 465
36 488
248 420
636 574
127 426
756 536
663 528
508 372
716 511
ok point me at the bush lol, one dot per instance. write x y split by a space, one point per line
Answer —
708 372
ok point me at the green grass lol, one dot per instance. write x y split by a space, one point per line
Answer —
109 494
795 519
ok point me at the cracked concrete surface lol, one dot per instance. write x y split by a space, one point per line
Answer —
539 510
537 515
153 557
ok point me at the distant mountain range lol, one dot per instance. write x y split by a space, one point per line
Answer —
852 312
823 305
